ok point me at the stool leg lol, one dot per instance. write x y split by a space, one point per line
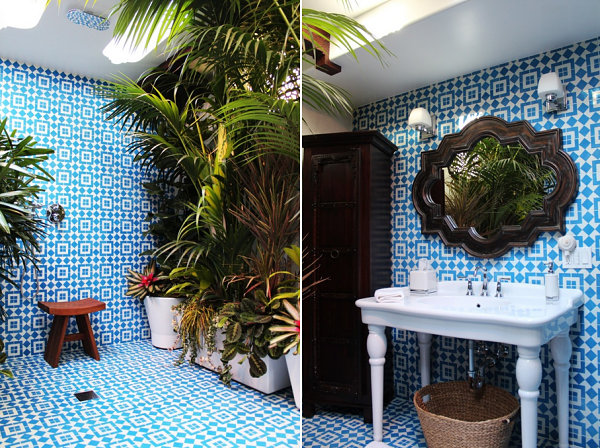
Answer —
89 343
56 339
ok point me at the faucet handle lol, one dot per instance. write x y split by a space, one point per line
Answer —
499 285
469 280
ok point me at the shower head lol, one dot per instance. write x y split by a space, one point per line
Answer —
86 19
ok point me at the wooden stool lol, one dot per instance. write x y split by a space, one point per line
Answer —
62 311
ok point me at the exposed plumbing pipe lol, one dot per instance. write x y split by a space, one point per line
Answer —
490 359
471 373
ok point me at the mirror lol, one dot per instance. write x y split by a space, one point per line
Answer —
494 185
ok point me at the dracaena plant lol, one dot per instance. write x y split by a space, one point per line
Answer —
21 172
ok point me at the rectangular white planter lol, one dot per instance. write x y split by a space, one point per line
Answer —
275 379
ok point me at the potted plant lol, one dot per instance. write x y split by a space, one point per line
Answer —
205 130
150 287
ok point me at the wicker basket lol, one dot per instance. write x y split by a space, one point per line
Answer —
458 417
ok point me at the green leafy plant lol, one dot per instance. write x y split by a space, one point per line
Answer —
246 323
20 228
197 328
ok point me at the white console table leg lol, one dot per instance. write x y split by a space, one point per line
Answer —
425 358
529 377
561 353
376 346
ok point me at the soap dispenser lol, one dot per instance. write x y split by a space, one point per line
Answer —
551 282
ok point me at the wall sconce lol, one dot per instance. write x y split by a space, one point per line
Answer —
552 92
420 120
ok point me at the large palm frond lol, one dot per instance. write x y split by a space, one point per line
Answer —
261 124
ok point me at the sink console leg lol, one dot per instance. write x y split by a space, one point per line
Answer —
561 353
376 346
529 377
425 358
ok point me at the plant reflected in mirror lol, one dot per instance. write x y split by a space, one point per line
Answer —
494 185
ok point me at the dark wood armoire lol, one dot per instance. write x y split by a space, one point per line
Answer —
346 219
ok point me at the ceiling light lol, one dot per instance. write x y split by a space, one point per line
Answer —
22 14
552 92
124 49
420 120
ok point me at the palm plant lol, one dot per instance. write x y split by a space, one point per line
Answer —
494 185
20 228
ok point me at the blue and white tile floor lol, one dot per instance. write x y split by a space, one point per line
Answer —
401 429
144 401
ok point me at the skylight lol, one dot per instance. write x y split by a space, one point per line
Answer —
22 14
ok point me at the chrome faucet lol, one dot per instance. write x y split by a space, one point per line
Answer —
499 285
469 283
484 287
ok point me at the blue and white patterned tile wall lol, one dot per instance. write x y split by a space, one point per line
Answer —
508 91
98 184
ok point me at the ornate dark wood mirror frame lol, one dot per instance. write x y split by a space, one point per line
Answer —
548 144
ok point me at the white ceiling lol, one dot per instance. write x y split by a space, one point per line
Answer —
58 44
357 7
465 37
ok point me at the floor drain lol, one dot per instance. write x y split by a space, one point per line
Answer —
87 395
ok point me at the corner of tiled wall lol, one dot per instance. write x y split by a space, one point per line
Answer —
98 184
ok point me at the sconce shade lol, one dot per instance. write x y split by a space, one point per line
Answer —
550 85
552 93
422 121
420 118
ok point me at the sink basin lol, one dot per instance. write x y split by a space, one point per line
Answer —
521 315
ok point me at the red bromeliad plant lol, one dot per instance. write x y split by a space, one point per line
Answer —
148 282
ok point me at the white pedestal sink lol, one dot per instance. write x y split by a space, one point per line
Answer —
521 317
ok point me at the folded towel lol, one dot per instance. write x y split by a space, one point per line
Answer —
389 295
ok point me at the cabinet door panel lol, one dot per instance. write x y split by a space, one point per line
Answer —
339 271
335 226
337 361
334 177
333 323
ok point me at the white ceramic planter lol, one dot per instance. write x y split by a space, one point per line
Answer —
275 379
294 365
160 318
